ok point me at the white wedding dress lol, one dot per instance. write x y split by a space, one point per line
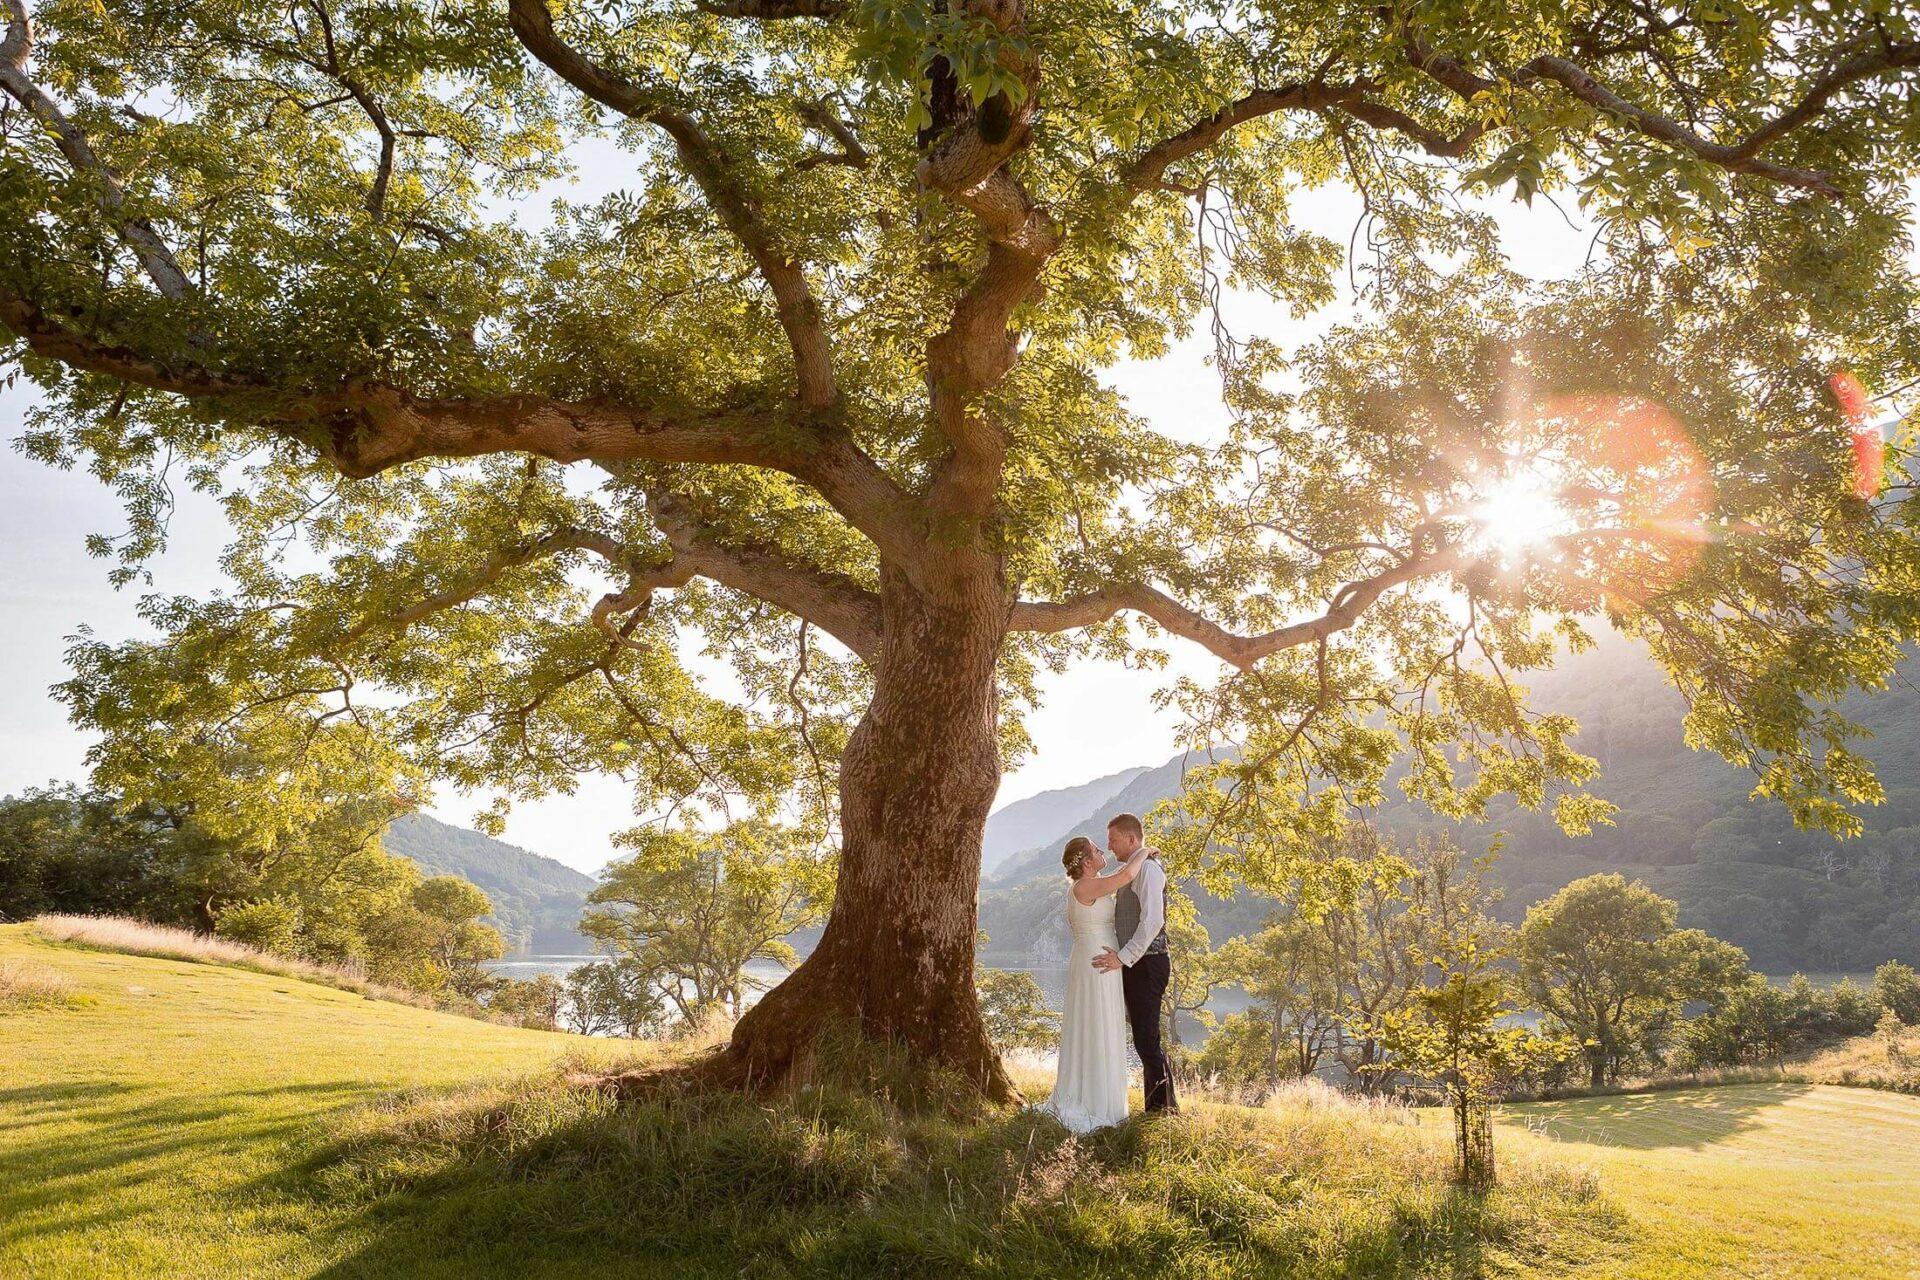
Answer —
1091 1089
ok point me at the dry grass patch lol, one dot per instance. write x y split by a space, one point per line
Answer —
1873 1062
25 985
137 937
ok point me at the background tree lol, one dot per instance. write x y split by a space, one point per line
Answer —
1287 969
612 997
831 371
1603 960
461 944
1381 907
1897 987
537 1002
693 909
1015 1009
83 853
1194 973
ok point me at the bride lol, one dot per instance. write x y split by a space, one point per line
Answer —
1091 1089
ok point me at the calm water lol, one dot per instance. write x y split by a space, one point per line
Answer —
1052 979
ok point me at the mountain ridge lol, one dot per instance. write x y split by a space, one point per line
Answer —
1686 826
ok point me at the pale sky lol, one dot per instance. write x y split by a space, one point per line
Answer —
1096 719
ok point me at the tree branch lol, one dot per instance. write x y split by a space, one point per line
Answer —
1242 651
154 255
1353 99
834 602
1737 157
1350 98
977 348
488 573
383 175
714 170
364 427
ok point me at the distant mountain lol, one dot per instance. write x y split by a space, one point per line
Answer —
1737 867
1025 824
1135 791
536 900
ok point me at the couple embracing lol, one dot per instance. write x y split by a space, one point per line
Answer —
1116 977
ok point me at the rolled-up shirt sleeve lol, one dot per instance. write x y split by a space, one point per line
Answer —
1151 885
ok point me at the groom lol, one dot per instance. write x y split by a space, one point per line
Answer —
1140 920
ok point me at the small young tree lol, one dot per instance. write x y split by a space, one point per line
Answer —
1015 1010
1456 1032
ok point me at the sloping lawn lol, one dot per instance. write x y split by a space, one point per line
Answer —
154 1127
1747 1180
163 1118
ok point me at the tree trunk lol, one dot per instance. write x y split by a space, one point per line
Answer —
919 774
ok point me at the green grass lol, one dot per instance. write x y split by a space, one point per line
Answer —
1778 1179
195 1119
167 1126
166 1118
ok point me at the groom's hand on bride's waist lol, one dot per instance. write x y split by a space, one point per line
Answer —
1107 961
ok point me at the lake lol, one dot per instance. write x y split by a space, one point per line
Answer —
1052 980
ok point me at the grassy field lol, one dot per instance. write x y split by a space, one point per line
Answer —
1778 1179
165 1118
157 1125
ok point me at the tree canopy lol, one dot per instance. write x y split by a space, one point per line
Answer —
837 357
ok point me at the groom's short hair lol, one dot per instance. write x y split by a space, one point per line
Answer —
1128 824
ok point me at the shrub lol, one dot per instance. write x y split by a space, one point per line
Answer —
1897 987
268 925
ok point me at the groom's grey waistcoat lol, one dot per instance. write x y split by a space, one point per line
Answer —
1126 918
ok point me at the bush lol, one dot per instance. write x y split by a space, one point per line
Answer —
1897 987
270 925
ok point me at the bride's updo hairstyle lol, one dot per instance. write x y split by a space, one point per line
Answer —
1077 850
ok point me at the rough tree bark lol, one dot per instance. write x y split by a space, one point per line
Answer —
919 774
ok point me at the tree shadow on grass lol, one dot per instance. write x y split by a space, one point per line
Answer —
1690 1119
91 1153
547 1183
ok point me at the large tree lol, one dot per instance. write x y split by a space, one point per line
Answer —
822 386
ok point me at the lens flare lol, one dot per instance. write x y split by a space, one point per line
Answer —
1869 450
1520 510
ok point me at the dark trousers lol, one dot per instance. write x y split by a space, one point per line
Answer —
1144 984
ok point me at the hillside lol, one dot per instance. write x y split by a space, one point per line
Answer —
536 900
1737 867
1033 821
192 1120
